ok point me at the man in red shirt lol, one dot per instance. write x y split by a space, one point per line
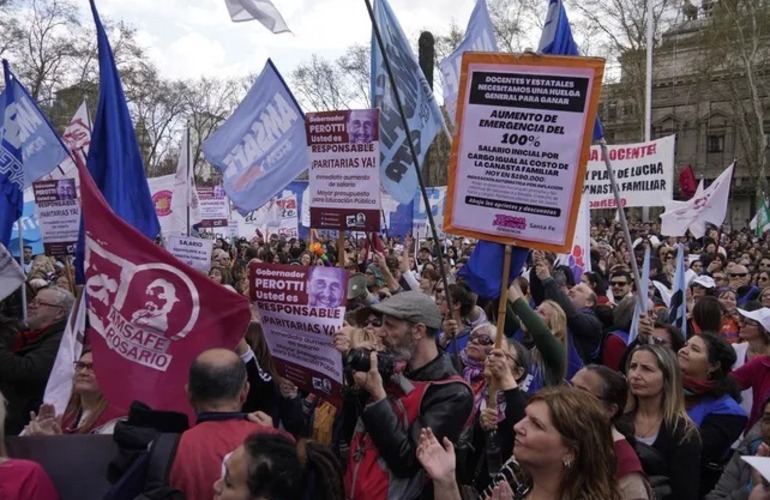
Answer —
217 388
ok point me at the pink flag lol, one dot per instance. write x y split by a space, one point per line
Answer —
150 314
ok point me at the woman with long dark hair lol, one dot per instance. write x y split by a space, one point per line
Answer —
712 401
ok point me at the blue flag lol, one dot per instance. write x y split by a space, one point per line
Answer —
397 170
262 147
484 269
677 311
557 39
29 149
645 284
479 37
114 159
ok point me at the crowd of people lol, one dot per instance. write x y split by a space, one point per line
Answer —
584 398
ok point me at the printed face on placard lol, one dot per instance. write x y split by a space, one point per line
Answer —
325 287
361 129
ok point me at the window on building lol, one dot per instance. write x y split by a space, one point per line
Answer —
715 143
628 109
612 110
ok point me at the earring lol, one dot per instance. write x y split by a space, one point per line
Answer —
567 463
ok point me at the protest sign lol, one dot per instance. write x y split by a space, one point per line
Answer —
344 169
58 212
214 209
300 308
195 252
644 173
519 157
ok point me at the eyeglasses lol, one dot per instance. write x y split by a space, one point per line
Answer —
747 322
482 339
763 278
79 365
375 322
738 275
618 283
38 303
660 340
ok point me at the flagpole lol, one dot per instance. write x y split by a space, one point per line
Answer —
413 152
21 258
187 179
648 89
641 294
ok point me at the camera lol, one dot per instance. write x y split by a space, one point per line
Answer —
358 361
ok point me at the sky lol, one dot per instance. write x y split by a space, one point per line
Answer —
193 38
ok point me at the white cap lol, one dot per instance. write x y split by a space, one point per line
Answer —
761 316
704 281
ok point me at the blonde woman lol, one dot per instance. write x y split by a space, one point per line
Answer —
548 327
656 416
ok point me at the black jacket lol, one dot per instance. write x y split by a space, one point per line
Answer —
445 409
584 326
24 374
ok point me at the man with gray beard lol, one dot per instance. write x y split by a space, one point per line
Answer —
427 393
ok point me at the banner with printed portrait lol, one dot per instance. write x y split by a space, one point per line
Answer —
58 212
344 169
300 308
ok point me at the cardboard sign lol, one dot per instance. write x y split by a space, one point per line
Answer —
215 210
644 173
519 157
195 252
58 212
344 169
300 308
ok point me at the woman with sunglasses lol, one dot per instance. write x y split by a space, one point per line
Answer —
504 368
87 411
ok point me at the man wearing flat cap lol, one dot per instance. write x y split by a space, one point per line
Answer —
429 393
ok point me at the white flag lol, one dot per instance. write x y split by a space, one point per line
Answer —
59 387
710 206
185 193
261 10
579 259
11 273
77 138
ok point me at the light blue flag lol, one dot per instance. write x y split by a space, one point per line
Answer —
645 284
30 230
557 39
262 147
29 149
397 170
677 311
479 37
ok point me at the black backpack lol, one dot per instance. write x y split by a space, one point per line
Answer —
147 443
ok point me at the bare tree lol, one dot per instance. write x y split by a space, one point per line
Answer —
736 46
